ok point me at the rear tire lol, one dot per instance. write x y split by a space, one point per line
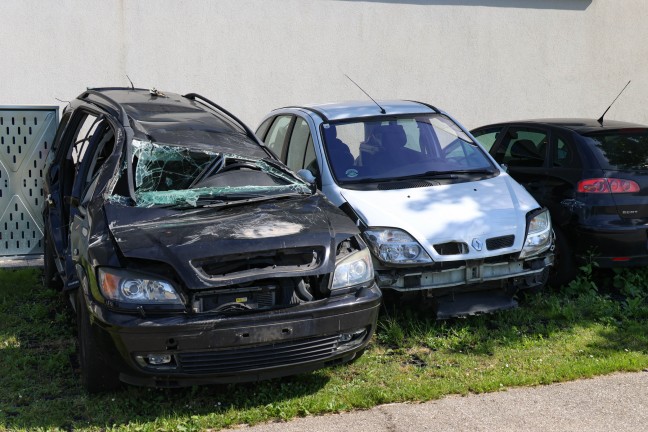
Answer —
564 270
96 375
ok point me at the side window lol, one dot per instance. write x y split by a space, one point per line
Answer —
523 148
81 141
297 146
276 138
563 155
93 142
487 137
263 128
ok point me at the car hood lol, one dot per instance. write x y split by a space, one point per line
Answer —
459 212
189 239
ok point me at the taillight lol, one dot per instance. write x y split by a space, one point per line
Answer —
607 185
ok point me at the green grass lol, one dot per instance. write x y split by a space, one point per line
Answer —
584 331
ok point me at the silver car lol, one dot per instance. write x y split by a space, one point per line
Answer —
442 218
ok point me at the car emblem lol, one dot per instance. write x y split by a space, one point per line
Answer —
477 244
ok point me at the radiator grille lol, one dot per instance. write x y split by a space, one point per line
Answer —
258 357
451 248
500 242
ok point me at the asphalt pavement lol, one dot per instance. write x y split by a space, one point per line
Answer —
616 402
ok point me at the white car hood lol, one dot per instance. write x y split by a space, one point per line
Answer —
460 212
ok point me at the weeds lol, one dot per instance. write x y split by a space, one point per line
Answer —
597 325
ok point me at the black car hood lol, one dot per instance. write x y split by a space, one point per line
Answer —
187 239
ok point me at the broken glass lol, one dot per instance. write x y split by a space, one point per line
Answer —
166 174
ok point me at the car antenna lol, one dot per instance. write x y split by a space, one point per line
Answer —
600 120
382 110
131 82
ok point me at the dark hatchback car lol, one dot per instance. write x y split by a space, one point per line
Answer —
592 176
190 254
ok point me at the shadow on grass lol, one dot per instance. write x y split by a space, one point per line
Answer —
40 384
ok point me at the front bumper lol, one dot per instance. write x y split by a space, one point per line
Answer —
467 276
250 347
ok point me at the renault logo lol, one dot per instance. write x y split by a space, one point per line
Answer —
477 244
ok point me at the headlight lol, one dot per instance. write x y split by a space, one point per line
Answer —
354 269
395 246
538 237
128 287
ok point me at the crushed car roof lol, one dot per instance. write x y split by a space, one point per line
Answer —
171 118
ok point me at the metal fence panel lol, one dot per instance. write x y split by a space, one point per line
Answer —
26 135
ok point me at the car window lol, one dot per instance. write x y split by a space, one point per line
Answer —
297 146
263 128
523 148
81 140
563 154
371 150
487 137
621 149
276 138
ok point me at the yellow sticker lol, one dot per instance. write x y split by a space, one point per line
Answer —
241 299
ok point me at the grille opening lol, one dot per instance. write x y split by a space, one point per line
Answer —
451 248
304 258
257 296
500 242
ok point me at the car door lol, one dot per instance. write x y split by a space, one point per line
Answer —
565 169
87 130
524 150
86 182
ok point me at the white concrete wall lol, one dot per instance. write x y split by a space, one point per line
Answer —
481 60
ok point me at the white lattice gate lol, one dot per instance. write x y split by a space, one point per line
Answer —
26 135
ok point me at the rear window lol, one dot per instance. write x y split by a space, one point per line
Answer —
622 150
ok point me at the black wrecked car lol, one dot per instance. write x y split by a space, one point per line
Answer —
593 177
190 254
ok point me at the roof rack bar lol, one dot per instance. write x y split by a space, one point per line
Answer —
194 96
122 112
432 107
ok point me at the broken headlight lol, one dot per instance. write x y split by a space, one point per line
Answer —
538 237
395 246
354 269
129 287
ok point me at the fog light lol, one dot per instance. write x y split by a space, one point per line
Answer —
158 359
351 340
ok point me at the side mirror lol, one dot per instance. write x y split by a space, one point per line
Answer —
307 176
504 167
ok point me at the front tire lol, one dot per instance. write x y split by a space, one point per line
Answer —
563 270
96 374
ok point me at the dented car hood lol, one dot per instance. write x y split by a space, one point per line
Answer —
459 212
183 238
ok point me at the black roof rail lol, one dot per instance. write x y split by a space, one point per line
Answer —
432 107
123 118
194 96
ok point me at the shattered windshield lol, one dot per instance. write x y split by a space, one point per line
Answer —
170 175
406 146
